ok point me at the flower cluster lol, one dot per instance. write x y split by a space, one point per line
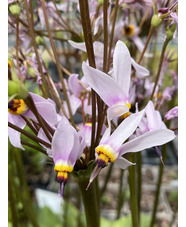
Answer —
98 114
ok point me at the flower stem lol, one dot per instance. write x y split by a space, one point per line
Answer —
90 201
158 186
159 67
31 29
29 135
86 25
139 181
57 62
112 34
133 193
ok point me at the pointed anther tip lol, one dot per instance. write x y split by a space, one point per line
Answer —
88 185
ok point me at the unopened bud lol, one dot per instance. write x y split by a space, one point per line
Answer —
16 89
15 9
170 31
39 40
156 21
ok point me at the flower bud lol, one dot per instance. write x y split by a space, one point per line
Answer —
16 89
39 40
156 21
170 31
15 10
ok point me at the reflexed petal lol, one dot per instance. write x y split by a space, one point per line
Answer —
63 140
140 70
125 129
148 140
122 66
15 136
105 86
80 46
74 85
117 111
153 117
123 163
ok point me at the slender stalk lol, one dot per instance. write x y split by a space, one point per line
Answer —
133 192
24 192
159 67
158 187
139 181
12 201
17 49
29 135
63 21
112 34
105 29
57 62
30 103
90 202
23 142
31 29
86 25
121 195
29 124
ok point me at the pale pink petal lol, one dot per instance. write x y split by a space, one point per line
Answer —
74 85
123 163
74 103
15 136
148 140
107 88
125 129
122 66
63 140
153 117
140 70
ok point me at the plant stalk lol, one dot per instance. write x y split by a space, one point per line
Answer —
133 192
90 202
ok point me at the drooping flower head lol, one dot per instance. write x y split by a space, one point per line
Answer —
111 147
66 148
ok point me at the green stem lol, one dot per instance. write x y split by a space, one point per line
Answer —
121 195
159 67
24 192
12 200
158 186
90 202
139 181
133 193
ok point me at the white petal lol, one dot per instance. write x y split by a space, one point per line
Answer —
148 140
125 129
80 46
140 70
123 163
117 111
108 89
122 66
